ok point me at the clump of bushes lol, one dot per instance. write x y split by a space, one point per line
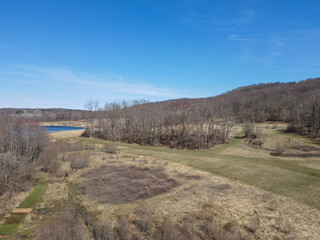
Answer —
251 131
110 148
279 149
48 159
253 135
144 225
79 161
64 224
248 130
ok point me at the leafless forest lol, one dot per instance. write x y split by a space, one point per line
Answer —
203 123
20 146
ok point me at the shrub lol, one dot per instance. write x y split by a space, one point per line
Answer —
248 129
48 159
110 148
123 228
291 128
79 161
64 224
257 142
103 231
279 149
144 219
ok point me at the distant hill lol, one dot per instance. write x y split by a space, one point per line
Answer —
261 102
297 103
45 114
35 110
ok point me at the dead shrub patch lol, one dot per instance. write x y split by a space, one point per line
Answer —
221 187
305 148
110 148
301 155
189 177
123 184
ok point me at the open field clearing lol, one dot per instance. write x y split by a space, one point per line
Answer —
293 177
232 191
196 195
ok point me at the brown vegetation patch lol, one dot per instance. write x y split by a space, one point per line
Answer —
301 155
221 187
79 161
64 224
110 148
189 177
306 148
123 184
5 236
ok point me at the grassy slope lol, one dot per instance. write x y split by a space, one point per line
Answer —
278 175
11 225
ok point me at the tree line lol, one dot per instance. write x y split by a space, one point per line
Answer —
176 125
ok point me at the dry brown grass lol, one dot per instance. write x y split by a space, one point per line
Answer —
122 184
203 205
64 224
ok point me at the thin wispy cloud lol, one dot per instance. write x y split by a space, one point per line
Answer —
110 84
192 13
236 37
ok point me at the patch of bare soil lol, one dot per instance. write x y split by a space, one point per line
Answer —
126 183
22 210
6 236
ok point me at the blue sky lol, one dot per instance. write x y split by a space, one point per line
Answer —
62 53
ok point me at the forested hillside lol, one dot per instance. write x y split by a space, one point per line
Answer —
205 122
297 103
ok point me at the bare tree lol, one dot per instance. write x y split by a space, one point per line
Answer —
92 106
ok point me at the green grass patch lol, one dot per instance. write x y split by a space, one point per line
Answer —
41 177
8 229
35 196
12 223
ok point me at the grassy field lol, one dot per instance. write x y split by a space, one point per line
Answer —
289 177
236 184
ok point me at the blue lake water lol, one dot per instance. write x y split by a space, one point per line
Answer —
51 129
